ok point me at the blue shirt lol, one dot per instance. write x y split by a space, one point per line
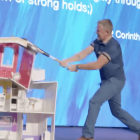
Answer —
111 50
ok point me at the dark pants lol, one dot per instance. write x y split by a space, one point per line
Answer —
110 91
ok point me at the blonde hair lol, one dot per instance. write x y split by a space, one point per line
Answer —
107 24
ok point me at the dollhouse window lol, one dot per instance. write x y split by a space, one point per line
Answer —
8 57
1 89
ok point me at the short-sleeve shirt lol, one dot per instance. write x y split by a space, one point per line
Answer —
111 50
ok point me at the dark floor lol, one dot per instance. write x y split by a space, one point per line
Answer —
73 133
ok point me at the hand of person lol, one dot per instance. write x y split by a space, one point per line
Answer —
73 68
63 63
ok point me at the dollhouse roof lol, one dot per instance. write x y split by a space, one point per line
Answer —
23 42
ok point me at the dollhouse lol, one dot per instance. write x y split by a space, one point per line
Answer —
17 77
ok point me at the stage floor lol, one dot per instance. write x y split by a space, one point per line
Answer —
73 133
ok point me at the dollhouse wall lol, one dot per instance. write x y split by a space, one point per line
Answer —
16 61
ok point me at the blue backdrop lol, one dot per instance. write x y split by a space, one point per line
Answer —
65 27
